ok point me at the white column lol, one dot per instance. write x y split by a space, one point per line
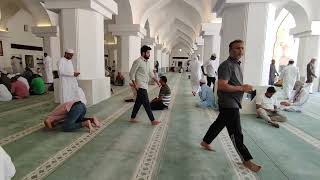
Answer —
211 36
252 25
130 45
158 55
306 53
51 42
5 62
82 29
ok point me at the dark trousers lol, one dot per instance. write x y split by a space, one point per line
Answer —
75 117
231 119
211 80
158 105
142 99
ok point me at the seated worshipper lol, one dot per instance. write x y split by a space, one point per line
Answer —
163 100
28 74
18 89
24 80
119 80
7 169
206 95
5 80
266 106
5 94
300 97
38 87
72 114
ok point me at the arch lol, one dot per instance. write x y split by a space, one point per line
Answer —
125 12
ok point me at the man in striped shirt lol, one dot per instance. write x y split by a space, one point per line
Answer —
163 100
140 73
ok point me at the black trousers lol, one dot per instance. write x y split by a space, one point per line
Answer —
211 80
158 105
231 119
142 99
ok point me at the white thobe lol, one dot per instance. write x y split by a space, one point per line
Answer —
210 68
5 94
7 169
195 68
16 66
47 62
68 82
289 75
25 81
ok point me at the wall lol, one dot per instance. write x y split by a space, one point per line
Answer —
19 36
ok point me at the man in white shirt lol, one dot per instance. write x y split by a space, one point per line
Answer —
7 169
5 94
195 69
140 73
68 77
289 75
266 106
211 71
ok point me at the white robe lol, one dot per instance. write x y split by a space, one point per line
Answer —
68 82
7 169
195 69
289 75
47 62
5 94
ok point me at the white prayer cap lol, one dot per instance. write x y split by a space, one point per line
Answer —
17 74
70 51
10 76
203 80
81 96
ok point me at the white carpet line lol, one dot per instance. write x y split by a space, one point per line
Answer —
234 159
301 134
56 160
150 157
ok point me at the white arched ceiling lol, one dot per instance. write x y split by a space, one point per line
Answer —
34 7
125 12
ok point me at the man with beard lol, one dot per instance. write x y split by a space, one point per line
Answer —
140 73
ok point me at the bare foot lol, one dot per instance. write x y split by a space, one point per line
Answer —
133 120
48 123
274 124
252 166
206 146
88 125
96 122
155 122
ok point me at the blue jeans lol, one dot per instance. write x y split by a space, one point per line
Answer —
75 117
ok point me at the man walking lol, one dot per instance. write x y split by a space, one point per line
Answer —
211 71
140 73
311 74
230 93
273 72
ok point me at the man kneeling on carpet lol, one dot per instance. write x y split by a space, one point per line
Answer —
163 100
266 106
72 114
300 97
206 95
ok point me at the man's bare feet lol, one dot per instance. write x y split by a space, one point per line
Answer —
48 123
133 120
274 124
252 166
88 125
206 146
155 122
96 122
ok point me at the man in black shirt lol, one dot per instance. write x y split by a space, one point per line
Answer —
230 93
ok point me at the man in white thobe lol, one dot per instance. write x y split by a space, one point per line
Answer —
68 78
47 62
289 75
195 68
16 65
7 169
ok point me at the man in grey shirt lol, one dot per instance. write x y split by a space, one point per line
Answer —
230 93
140 73
273 72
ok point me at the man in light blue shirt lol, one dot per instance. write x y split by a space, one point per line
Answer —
140 74
206 95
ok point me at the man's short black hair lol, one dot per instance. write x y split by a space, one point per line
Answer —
291 61
271 90
235 42
164 79
144 49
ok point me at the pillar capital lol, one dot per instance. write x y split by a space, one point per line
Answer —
45 31
105 7
199 41
210 29
127 30
148 41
